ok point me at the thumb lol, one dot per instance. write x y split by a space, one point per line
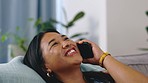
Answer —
85 61
90 60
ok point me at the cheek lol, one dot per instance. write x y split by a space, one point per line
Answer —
56 60
56 52
50 56
55 55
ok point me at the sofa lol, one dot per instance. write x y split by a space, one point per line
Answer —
16 72
138 62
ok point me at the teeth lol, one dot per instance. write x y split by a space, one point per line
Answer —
71 51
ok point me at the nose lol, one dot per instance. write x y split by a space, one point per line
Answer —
65 44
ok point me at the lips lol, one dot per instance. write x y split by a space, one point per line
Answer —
70 52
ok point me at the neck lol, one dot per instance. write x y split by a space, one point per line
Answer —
71 76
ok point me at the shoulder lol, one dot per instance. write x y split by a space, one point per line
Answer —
98 77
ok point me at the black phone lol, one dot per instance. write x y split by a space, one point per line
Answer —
85 50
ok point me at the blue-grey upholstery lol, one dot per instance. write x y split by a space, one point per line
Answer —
16 72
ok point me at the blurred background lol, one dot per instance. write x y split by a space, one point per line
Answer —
117 26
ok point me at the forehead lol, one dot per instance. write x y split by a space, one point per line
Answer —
49 36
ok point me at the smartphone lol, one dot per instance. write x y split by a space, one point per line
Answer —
85 50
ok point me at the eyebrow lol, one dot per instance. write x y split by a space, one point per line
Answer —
51 41
63 35
54 39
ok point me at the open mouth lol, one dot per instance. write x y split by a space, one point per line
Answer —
71 52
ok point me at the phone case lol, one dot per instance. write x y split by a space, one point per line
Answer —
85 50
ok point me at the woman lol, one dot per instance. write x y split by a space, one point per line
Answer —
57 59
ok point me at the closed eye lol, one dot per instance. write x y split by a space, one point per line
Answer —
66 38
54 44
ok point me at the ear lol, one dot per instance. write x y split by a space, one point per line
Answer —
47 68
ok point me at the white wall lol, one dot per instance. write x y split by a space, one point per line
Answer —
93 22
126 22
118 26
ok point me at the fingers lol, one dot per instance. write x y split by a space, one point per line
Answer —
81 41
97 51
85 61
91 61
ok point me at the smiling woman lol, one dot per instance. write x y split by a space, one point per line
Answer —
60 50
57 59
54 56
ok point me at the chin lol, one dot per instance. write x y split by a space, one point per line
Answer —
79 61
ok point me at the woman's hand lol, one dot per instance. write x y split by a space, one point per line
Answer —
96 51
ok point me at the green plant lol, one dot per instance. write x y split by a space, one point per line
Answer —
147 26
18 40
51 22
71 23
42 26
145 49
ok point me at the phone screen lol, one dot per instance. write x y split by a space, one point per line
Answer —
85 50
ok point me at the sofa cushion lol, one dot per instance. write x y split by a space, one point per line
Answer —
133 59
136 61
16 72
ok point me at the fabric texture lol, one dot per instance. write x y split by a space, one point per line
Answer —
98 77
138 62
16 72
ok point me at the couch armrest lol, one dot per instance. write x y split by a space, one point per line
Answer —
137 61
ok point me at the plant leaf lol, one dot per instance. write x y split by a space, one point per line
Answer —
4 38
65 14
144 49
54 21
47 25
147 29
17 28
69 24
30 19
38 22
78 34
77 17
146 13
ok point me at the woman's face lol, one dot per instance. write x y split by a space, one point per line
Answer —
59 52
